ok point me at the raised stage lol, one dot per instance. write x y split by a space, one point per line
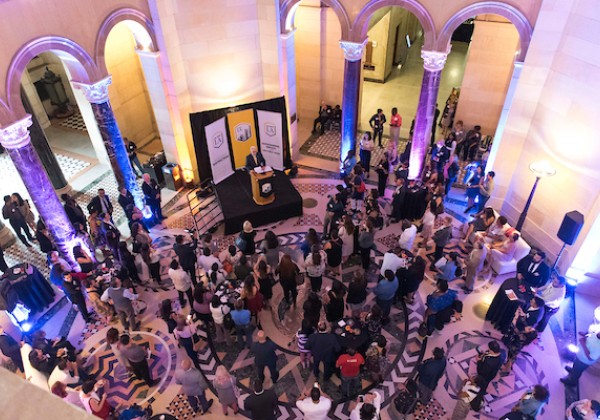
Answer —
235 196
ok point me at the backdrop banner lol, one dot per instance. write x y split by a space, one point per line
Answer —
218 150
271 140
243 135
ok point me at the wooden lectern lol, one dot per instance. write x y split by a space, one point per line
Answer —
262 187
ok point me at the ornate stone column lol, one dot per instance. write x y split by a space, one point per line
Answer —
16 140
45 153
433 61
287 81
97 95
353 52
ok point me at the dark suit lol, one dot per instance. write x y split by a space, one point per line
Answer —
324 348
73 291
126 201
10 348
252 163
150 192
536 278
95 204
187 257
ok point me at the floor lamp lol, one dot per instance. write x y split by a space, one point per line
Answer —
541 169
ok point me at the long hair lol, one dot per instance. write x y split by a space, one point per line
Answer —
349 225
286 266
222 376
145 253
272 241
20 201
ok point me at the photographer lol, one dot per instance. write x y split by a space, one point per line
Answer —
186 252
367 406
94 396
488 365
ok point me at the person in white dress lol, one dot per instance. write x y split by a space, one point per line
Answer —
346 234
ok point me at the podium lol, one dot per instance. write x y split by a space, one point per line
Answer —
262 187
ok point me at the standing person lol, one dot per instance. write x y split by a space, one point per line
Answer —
474 264
74 211
348 164
287 271
553 295
243 327
366 241
467 394
366 148
148 264
302 335
127 261
473 188
376 122
113 344
109 232
357 293
349 364
265 357
133 157
315 268
325 112
430 372
16 219
395 124
72 289
488 365
408 236
184 333
451 175
428 223
398 201
486 188
186 252
312 309
383 170
333 250
358 190
587 355
346 234
317 406
25 209
436 116
151 191
245 240
334 309
472 140
333 212
194 386
226 389
182 282
385 291
270 247
101 203
218 311
533 270
263 403
532 401
441 237
121 299
323 346
127 203
11 349
264 279
136 356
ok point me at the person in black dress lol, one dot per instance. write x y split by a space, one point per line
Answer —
245 241
3 265
312 309
334 309
287 271
382 170
264 279
333 249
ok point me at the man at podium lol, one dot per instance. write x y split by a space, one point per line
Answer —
254 159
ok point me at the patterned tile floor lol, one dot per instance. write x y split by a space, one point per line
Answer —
406 349
74 122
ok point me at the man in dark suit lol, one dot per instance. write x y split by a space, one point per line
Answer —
151 191
254 159
72 289
324 346
11 348
186 252
533 270
101 203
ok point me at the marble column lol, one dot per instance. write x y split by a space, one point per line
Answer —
16 140
287 82
97 95
353 52
433 61
45 153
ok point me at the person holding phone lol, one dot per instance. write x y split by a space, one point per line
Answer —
317 406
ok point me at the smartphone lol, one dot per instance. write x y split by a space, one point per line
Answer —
316 385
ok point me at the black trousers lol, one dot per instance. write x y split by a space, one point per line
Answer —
548 313
19 225
290 293
80 303
192 272
142 371
3 266
378 132
365 257
316 283
189 294
439 252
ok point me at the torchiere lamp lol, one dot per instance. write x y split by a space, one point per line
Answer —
541 169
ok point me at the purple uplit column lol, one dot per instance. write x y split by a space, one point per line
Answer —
353 52
97 94
433 61
16 140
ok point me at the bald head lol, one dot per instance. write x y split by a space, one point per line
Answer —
262 337
186 364
146 177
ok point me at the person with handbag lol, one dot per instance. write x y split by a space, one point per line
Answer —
289 275
227 390
184 333
245 240
17 220
366 148
138 361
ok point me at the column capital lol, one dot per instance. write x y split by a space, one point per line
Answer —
96 93
433 60
353 51
16 135
146 53
288 34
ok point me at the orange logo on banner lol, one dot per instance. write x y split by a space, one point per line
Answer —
243 135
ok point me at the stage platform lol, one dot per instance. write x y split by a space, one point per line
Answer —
235 197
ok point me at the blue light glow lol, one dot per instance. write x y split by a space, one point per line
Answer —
26 327
573 348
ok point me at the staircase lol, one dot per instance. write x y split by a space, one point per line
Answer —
205 207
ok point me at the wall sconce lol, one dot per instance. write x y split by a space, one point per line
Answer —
188 177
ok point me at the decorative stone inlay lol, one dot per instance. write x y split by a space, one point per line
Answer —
353 51
433 60
96 93
16 135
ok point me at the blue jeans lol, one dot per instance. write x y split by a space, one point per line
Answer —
386 306
193 400
135 162
244 330
350 385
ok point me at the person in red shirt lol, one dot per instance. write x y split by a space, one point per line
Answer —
349 365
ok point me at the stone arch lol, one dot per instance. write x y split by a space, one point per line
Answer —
287 10
76 59
517 18
361 23
140 25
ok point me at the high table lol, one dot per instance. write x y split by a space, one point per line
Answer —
30 286
414 204
503 308
349 339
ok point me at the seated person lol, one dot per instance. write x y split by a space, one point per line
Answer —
51 347
482 222
254 159
495 233
442 298
65 372
325 114
41 361
523 331
94 396
448 271
504 251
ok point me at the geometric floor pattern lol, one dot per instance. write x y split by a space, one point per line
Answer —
74 122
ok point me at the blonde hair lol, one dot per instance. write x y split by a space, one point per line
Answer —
222 376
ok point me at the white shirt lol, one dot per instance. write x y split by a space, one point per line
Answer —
59 375
219 313
206 262
392 262
314 411
407 238
126 293
553 296
355 414
428 218
181 279
225 255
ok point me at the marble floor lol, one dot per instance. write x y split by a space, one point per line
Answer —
540 362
